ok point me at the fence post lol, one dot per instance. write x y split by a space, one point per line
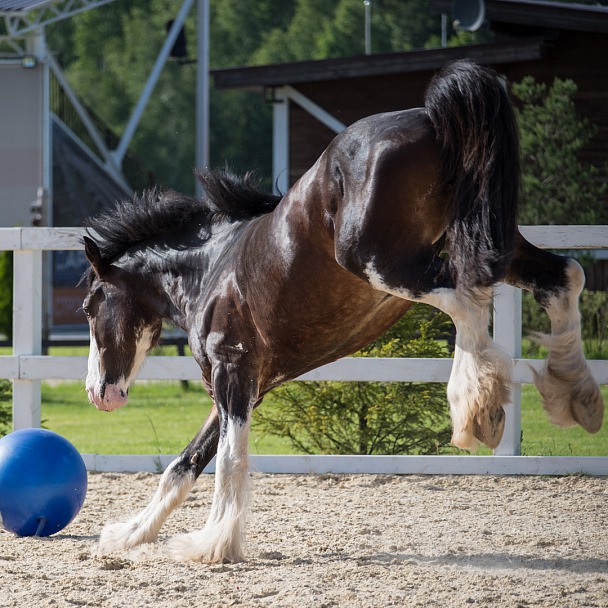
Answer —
280 141
27 333
507 335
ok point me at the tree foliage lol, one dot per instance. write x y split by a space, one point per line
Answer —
558 185
319 29
369 417
6 293
6 416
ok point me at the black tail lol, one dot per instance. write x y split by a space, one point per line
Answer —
476 128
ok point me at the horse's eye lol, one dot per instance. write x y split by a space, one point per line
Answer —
87 312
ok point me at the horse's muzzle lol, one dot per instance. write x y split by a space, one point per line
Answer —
110 397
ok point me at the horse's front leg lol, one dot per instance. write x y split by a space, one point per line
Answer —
175 484
569 392
222 537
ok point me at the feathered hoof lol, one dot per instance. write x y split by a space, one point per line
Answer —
569 401
123 535
485 420
587 408
198 547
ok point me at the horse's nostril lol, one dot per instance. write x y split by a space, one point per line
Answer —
102 391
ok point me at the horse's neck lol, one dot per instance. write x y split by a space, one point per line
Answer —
184 275
174 280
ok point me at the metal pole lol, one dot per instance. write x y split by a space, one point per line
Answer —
368 26
112 167
45 191
313 109
202 88
280 141
120 152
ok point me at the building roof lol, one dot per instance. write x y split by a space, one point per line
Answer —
540 19
22 17
539 13
10 6
262 76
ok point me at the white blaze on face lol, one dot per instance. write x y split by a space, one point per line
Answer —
144 344
109 397
93 380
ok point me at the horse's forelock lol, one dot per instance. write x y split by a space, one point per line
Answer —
87 278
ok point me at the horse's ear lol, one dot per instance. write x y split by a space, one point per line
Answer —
93 254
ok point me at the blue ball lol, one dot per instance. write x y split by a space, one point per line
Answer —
43 482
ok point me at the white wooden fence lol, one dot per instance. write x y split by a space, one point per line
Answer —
26 367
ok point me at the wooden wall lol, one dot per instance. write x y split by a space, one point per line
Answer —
596 275
580 56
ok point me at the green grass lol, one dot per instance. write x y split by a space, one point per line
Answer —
162 417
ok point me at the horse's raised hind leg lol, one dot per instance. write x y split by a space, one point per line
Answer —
480 381
175 484
570 394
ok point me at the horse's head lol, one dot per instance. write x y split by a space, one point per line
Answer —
124 325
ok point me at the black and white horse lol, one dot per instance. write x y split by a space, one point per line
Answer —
411 206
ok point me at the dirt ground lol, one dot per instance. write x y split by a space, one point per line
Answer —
338 540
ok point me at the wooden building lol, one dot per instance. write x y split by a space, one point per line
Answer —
314 99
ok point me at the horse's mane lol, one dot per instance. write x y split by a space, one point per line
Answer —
226 197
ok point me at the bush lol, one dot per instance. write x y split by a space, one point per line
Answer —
594 312
558 185
6 415
6 293
370 417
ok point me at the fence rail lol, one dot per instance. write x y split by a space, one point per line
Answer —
27 367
